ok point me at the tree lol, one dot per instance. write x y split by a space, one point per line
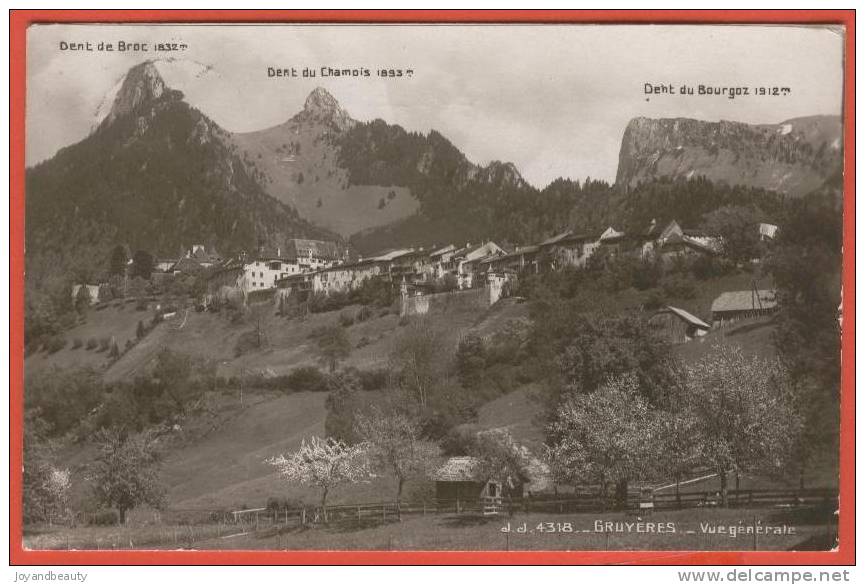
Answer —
500 457
142 265
608 436
82 299
344 403
173 376
125 473
578 350
140 330
471 360
679 428
333 346
745 413
805 263
395 444
45 488
117 264
63 397
325 464
419 361
738 227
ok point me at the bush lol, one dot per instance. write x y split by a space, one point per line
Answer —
104 343
306 379
404 320
346 319
77 342
459 441
277 504
654 300
114 353
681 287
246 342
103 518
363 314
373 379
55 343
91 343
141 305
706 267
129 345
363 342
140 330
157 319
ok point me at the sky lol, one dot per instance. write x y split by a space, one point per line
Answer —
552 99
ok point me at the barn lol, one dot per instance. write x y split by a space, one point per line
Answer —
732 306
459 479
678 325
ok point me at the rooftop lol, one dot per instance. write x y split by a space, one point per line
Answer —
745 300
686 316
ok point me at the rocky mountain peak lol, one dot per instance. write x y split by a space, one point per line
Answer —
321 106
142 85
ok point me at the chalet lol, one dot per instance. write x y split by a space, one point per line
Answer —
346 277
678 325
732 306
466 262
187 266
411 266
268 266
314 254
339 278
462 478
200 254
675 241
297 284
681 247
521 260
613 243
569 249
438 258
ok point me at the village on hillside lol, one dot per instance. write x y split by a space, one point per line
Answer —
314 267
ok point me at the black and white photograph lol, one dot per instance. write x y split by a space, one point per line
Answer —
433 287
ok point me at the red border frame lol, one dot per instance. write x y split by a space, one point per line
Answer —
21 19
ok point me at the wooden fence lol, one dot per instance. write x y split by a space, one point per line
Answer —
187 528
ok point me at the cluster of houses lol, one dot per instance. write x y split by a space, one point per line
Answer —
306 267
318 267
467 266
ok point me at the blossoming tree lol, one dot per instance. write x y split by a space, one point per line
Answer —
326 464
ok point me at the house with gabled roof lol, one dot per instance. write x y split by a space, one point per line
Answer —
569 248
678 325
729 307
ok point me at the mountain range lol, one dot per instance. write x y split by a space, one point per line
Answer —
158 174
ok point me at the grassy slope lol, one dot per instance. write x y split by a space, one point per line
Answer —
221 462
119 323
225 468
344 208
